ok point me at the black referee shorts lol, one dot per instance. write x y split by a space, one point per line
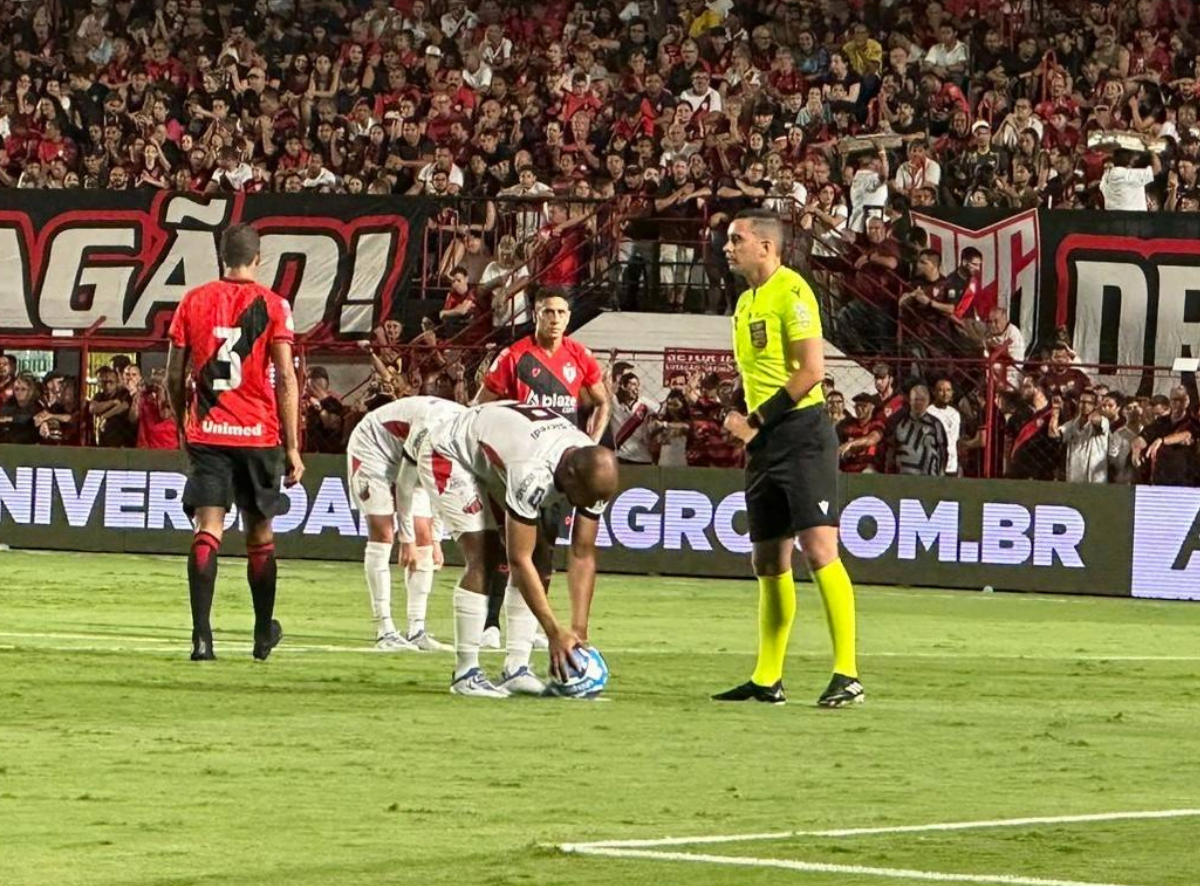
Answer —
220 476
791 476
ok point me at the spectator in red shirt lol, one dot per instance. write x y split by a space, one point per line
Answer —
463 311
562 249
859 437
151 409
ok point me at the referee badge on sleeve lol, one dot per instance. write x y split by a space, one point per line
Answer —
803 315
758 333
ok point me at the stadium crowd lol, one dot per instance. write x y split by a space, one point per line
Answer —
678 113
612 141
1052 423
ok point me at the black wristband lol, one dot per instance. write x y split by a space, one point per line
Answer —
776 407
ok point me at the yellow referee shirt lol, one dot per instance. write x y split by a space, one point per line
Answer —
781 311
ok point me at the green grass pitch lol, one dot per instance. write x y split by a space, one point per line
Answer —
123 763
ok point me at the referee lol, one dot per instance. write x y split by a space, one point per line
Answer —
792 459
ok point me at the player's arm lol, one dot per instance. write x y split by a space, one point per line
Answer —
809 356
520 540
497 379
406 484
598 422
581 570
287 395
485 395
177 361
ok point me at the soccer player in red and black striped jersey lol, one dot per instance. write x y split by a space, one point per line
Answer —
549 370
236 338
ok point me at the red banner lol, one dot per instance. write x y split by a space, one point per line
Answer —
689 362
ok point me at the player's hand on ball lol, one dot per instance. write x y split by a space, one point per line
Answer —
295 468
563 660
737 425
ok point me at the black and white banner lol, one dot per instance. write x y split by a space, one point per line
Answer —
121 261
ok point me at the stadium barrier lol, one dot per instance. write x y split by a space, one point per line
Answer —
971 534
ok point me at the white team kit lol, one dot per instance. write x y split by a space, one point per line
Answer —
631 429
382 479
382 443
496 457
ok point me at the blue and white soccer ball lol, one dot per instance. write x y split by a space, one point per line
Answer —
586 681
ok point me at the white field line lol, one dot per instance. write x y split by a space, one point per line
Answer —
652 850
819 868
896 829
366 647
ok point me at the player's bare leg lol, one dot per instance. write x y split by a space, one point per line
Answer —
481 552
377 566
261 574
420 561
209 524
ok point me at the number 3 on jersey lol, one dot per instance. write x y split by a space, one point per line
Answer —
229 336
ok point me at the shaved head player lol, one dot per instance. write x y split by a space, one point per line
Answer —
791 459
512 468
233 333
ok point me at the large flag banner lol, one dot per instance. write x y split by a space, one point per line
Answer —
119 262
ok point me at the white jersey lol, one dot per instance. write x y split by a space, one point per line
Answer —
630 426
952 421
512 451
385 435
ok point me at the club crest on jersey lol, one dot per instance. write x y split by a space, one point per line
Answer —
536 371
758 333
569 373
474 507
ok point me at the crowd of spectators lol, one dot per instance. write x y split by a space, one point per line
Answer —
1050 422
678 114
1054 423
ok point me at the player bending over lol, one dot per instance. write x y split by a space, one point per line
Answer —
537 464
231 333
381 474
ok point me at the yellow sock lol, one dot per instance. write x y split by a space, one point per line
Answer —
837 593
776 612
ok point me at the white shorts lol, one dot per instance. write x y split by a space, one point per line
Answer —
375 495
461 501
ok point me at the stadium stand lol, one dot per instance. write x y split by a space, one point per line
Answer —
600 149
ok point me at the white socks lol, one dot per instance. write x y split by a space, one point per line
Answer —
377 565
419 582
470 613
520 626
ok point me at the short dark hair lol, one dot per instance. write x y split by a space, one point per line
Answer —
620 368
969 254
626 377
239 246
765 224
460 269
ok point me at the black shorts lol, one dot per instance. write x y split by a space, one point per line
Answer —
791 476
220 476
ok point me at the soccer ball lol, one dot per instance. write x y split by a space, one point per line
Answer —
587 681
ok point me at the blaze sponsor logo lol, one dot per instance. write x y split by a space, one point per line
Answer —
123 270
556 402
